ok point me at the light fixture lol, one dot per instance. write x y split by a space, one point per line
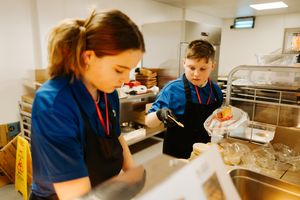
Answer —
266 6
243 22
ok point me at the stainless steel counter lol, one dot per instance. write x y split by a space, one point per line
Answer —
136 182
158 169
287 174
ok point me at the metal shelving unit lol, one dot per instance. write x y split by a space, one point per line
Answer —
280 97
138 97
268 103
25 106
25 118
133 109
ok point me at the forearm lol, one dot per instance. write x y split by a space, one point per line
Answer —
151 120
128 160
73 188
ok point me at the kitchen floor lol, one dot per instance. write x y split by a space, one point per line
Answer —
142 151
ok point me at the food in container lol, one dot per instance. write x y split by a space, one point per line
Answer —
225 113
224 120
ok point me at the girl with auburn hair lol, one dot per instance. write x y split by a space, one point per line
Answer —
76 140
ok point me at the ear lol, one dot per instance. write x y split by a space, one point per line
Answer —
183 63
87 56
213 65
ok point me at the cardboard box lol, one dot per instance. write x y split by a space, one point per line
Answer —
28 98
3 135
35 78
288 136
4 180
8 159
8 132
148 106
41 75
26 103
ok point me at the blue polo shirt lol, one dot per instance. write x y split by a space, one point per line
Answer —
57 132
172 96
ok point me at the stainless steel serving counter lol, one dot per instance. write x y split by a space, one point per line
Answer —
135 183
287 174
158 169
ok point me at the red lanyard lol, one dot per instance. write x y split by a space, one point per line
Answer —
106 128
198 94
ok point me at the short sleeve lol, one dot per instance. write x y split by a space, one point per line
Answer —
57 149
172 96
162 101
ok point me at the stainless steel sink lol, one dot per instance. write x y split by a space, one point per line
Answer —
255 186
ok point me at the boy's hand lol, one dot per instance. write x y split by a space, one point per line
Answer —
162 115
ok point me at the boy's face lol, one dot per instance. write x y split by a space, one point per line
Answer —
197 71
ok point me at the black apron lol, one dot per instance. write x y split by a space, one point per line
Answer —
103 155
178 141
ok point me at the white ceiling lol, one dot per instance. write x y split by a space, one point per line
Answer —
232 8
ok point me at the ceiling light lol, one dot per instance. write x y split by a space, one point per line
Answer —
266 6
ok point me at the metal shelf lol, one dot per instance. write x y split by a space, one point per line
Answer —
133 109
139 97
25 119
282 96
148 135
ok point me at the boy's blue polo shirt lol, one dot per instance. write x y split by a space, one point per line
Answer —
57 132
172 96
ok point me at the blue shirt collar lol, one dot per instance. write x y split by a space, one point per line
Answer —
82 95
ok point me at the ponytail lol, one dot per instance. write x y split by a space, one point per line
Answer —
66 44
106 33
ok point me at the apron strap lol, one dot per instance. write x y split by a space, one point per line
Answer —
87 124
103 156
111 114
216 95
187 90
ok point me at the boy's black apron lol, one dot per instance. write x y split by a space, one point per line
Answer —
103 155
178 142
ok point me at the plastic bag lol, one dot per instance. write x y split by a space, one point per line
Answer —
224 120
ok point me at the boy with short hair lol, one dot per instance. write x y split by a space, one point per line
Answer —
190 99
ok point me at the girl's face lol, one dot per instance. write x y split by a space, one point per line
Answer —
109 72
197 71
